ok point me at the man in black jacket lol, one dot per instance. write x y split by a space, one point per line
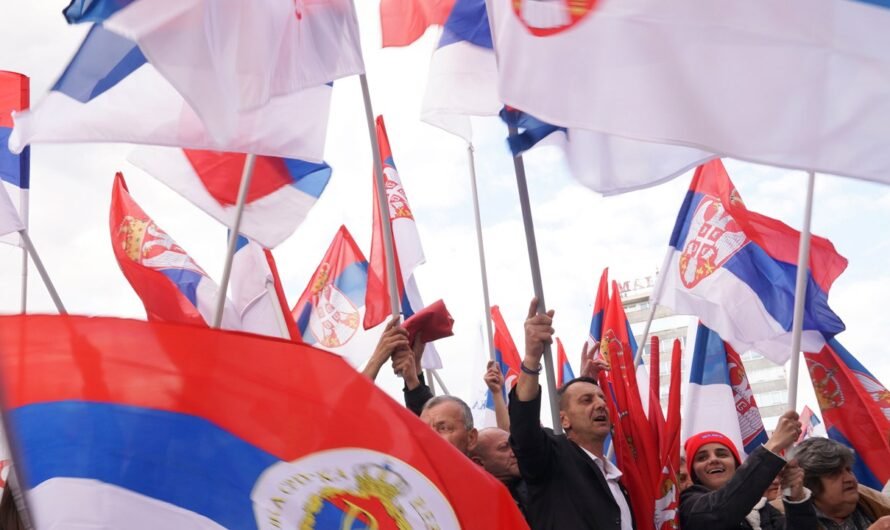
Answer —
570 482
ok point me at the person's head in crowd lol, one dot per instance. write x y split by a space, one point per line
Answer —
828 473
452 419
683 480
712 459
494 454
583 412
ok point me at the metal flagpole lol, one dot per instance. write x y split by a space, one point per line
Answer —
485 299
431 380
382 203
29 245
234 230
23 205
800 291
441 383
519 168
653 303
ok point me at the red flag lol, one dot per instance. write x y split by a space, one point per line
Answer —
281 433
656 416
172 287
505 351
667 502
855 408
636 447
404 21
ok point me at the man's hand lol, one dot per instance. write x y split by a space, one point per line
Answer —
403 364
538 332
786 433
494 379
393 339
792 478
417 348
590 366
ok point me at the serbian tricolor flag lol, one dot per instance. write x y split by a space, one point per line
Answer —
636 446
256 292
505 354
132 424
564 372
462 79
406 246
281 193
736 270
172 287
719 396
15 170
599 309
329 312
808 421
856 410
404 21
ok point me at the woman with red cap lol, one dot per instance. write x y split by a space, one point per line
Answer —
728 494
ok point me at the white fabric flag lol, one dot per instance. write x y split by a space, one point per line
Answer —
9 218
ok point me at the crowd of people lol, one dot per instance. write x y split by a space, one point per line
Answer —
565 481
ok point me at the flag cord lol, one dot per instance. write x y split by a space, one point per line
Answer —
381 199
800 291
653 303
519 169
246 175
29 245
485 299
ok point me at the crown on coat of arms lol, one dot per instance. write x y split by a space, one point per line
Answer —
134 234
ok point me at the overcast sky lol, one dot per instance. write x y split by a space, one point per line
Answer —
578 231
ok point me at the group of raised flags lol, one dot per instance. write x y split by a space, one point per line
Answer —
14 168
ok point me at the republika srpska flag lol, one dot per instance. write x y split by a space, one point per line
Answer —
736 271
225 76
856 410
145 425
172 287
564 372
505 354
748 80
15 170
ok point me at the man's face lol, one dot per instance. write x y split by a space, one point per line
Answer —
840 493
447 420
683 476
584 412
495 454
713 465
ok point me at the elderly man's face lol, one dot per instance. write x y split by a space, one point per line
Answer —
447 420
840 493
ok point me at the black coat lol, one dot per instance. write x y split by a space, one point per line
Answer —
566 489
726 508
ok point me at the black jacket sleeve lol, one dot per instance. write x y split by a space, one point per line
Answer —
417 398
728 506
531 444
800 515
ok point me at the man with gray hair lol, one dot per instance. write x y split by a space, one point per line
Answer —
452 419
841 502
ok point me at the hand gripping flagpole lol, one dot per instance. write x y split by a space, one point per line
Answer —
519 168
38 263
800 292
234 230
485 299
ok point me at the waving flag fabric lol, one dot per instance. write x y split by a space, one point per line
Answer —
140 425
110 93
229 57
255 292
564 372
736 270
505 354
406 246
856 410
15 170
172 287
9 219
696 80
462 79
667 502
281 193
329 312
809 421
636 446
599 308
719 396
404 21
